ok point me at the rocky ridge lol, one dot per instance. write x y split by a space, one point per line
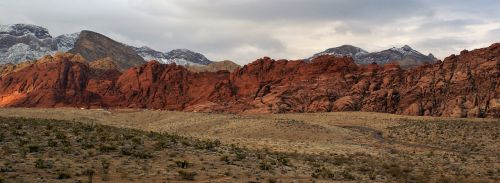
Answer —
24 42
405 56
465 85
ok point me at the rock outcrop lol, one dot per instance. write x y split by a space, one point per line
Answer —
94 46
226 65
465 85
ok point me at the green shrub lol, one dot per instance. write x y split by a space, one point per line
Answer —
42 164
323 173
283 160
205 144
137 140
265 166
105 169
107 148
182 164
51 143
225 159
89 173
143 154
240 155
347 175
33 148
187 175
160 145
60 135
63 175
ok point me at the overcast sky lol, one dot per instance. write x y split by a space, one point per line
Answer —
244 30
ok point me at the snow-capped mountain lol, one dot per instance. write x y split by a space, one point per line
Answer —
344 50
187 56
404 56
19 30
177 56
149 54
21 42
66 42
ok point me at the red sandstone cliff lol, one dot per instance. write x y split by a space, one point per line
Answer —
467 85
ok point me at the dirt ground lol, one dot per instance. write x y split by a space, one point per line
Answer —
438 149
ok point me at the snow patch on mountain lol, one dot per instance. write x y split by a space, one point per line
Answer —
178 56
25 29
405 56
405 50
341 51
22 42
66 42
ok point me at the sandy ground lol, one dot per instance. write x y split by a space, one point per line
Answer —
339 132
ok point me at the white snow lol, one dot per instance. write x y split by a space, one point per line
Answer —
66 42
405 50
22 52
36 47
5 28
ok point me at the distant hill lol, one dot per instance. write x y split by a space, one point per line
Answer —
94 46
214 67
25 42
178 56
465 85
405 56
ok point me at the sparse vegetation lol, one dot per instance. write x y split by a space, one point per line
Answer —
187 175
402 150
182 164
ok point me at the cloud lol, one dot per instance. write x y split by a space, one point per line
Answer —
306 10
245 30
453 44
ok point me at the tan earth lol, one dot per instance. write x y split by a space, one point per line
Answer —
304 133
321 147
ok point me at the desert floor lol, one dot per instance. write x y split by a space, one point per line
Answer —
339 146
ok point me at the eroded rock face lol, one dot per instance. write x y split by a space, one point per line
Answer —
467 85
94 46
50 82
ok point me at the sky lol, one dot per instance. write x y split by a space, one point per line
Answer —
245 30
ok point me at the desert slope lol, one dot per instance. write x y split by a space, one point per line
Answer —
467 85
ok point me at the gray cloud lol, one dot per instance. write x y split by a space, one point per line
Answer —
494 34
449 25
306 10
244 30
453 44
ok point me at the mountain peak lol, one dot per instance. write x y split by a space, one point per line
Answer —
25 29
185 56
344 50
405 56
407 48
66 41
90 45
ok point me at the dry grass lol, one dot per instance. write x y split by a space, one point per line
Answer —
322 146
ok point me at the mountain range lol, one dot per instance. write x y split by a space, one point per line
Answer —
90 70
24 42
465 85
21 42
405 56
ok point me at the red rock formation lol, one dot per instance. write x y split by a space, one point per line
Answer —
467 85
